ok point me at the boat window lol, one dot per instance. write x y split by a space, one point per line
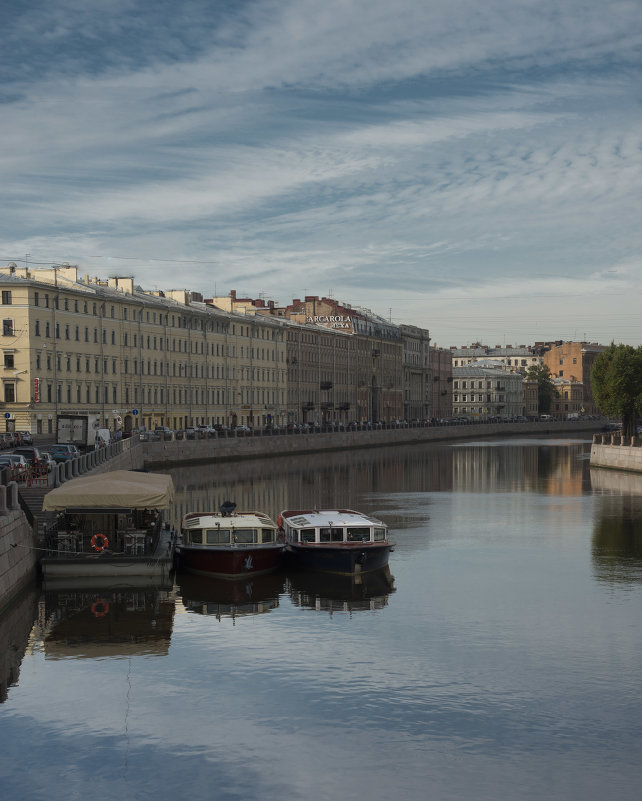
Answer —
331 535
307 535
267 535
196 537
358 534
245 535
379 534
216 536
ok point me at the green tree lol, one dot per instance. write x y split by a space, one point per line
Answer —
545 388
616 381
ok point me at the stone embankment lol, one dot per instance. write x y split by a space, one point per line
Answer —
221 449
612 450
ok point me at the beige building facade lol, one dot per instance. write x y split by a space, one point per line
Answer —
131 358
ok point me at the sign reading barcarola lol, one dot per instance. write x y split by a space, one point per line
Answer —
331 321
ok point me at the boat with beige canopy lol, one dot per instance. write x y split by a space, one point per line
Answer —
109 524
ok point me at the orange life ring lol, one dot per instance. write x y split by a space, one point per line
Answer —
104 543
102 611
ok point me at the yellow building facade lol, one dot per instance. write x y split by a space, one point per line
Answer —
132 358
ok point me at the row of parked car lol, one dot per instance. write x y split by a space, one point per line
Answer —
25 460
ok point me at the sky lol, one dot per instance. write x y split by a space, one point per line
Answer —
471 168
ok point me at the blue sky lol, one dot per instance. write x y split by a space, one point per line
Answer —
472 168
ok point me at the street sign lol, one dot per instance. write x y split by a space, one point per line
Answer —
7 415
134 412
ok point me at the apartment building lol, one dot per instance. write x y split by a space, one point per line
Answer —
572 361
344 362
130 357
481 391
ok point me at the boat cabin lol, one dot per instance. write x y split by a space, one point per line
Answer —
241 528
332 527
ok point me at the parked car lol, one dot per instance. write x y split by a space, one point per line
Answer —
31 454
47 459
61 453
190 433
243 429
16 464
27 439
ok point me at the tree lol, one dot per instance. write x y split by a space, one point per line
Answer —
616 381
545 388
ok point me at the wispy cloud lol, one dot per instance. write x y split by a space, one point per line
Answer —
355 145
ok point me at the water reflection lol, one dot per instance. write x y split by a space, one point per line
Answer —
363 479
326 593
106 622
617 529
221 598
15 626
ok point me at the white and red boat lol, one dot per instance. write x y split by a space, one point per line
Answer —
229 544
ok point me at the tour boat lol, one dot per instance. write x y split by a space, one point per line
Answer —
229 544
335 540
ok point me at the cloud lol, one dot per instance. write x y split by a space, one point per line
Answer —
354 145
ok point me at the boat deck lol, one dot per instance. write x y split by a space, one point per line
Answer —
155 562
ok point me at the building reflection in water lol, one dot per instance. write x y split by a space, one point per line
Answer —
326 593
15 626
83 623
333 480
534 465
364 479
617 528
230 598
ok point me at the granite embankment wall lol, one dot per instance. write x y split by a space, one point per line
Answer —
18 559
615 452
174 452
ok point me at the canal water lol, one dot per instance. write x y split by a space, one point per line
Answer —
501 658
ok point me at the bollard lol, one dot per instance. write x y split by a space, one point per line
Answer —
3 500
12 495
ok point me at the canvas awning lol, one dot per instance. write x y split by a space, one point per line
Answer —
120 489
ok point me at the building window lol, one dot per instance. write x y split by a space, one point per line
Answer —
8 360
6 297
7 328
37 328
36 299
9 393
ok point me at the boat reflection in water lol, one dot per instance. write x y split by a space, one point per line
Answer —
85 623
332 593
252 595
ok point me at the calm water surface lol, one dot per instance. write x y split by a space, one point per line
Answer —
503 661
